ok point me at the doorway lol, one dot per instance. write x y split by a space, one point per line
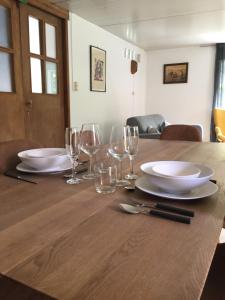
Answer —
35 91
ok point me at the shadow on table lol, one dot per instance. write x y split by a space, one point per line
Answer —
11 289
214 288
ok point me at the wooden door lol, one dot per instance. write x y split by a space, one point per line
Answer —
42 60
11 91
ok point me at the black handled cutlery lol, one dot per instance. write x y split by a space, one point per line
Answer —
14 174
154 212
165 207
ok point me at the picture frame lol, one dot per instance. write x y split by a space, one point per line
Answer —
175 73
97 69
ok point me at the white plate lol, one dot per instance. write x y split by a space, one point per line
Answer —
60 168
203 191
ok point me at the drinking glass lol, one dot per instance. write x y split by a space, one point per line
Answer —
131 138
72 139
105 180
117 150
90 144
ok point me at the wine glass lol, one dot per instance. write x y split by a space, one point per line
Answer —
117 150
72 139
131 138
90 144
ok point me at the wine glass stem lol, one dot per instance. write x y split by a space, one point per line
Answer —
120 170
73 169
90 164
131 165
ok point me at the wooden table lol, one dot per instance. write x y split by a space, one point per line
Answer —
72 243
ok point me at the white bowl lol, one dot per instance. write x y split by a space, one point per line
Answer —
51 157
176 169
177 185
45 152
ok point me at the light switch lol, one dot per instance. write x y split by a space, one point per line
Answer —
75 86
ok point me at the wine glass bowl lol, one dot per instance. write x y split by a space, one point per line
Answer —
90 144
131 138
117 150
72 145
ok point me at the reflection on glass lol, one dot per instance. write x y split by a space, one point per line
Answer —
51 78
50 41
4 27
36 78
34 35
5 73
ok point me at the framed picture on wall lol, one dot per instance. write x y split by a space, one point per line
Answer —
97 69
175 73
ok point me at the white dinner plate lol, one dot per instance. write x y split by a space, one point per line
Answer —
59 168
203 191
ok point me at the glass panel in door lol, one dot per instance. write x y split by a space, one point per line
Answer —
36 76
51 78
50 32
6 82
5 34
34 35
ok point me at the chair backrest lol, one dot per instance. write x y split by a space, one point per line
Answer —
182 133
9 150
144 122
219 119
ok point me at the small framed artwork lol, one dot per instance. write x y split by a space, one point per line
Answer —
175 73
97 69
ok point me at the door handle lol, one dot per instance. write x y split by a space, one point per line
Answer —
29 103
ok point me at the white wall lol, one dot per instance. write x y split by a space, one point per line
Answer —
118 103
187 103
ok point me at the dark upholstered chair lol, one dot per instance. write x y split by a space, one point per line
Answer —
182 133
150 126
9 150
214 286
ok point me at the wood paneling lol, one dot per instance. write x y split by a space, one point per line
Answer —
50 8
23 114
73 243
12 104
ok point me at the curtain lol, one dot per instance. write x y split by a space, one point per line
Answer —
219 85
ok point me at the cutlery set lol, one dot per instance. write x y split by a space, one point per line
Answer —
17 175
165 211
155 212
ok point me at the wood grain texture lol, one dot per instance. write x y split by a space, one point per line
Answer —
71 243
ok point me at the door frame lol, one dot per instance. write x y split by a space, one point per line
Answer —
62 13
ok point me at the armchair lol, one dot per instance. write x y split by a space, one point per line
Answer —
150 126
219 120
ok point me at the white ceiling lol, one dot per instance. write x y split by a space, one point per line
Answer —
156 24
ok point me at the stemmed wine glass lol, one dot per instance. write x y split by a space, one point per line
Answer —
117 150
131 138
72 139
90 144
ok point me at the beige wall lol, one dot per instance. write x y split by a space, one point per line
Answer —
118 103
188 103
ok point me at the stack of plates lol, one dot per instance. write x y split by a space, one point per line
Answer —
177 180
44 160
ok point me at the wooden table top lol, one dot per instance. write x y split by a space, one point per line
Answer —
72 243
